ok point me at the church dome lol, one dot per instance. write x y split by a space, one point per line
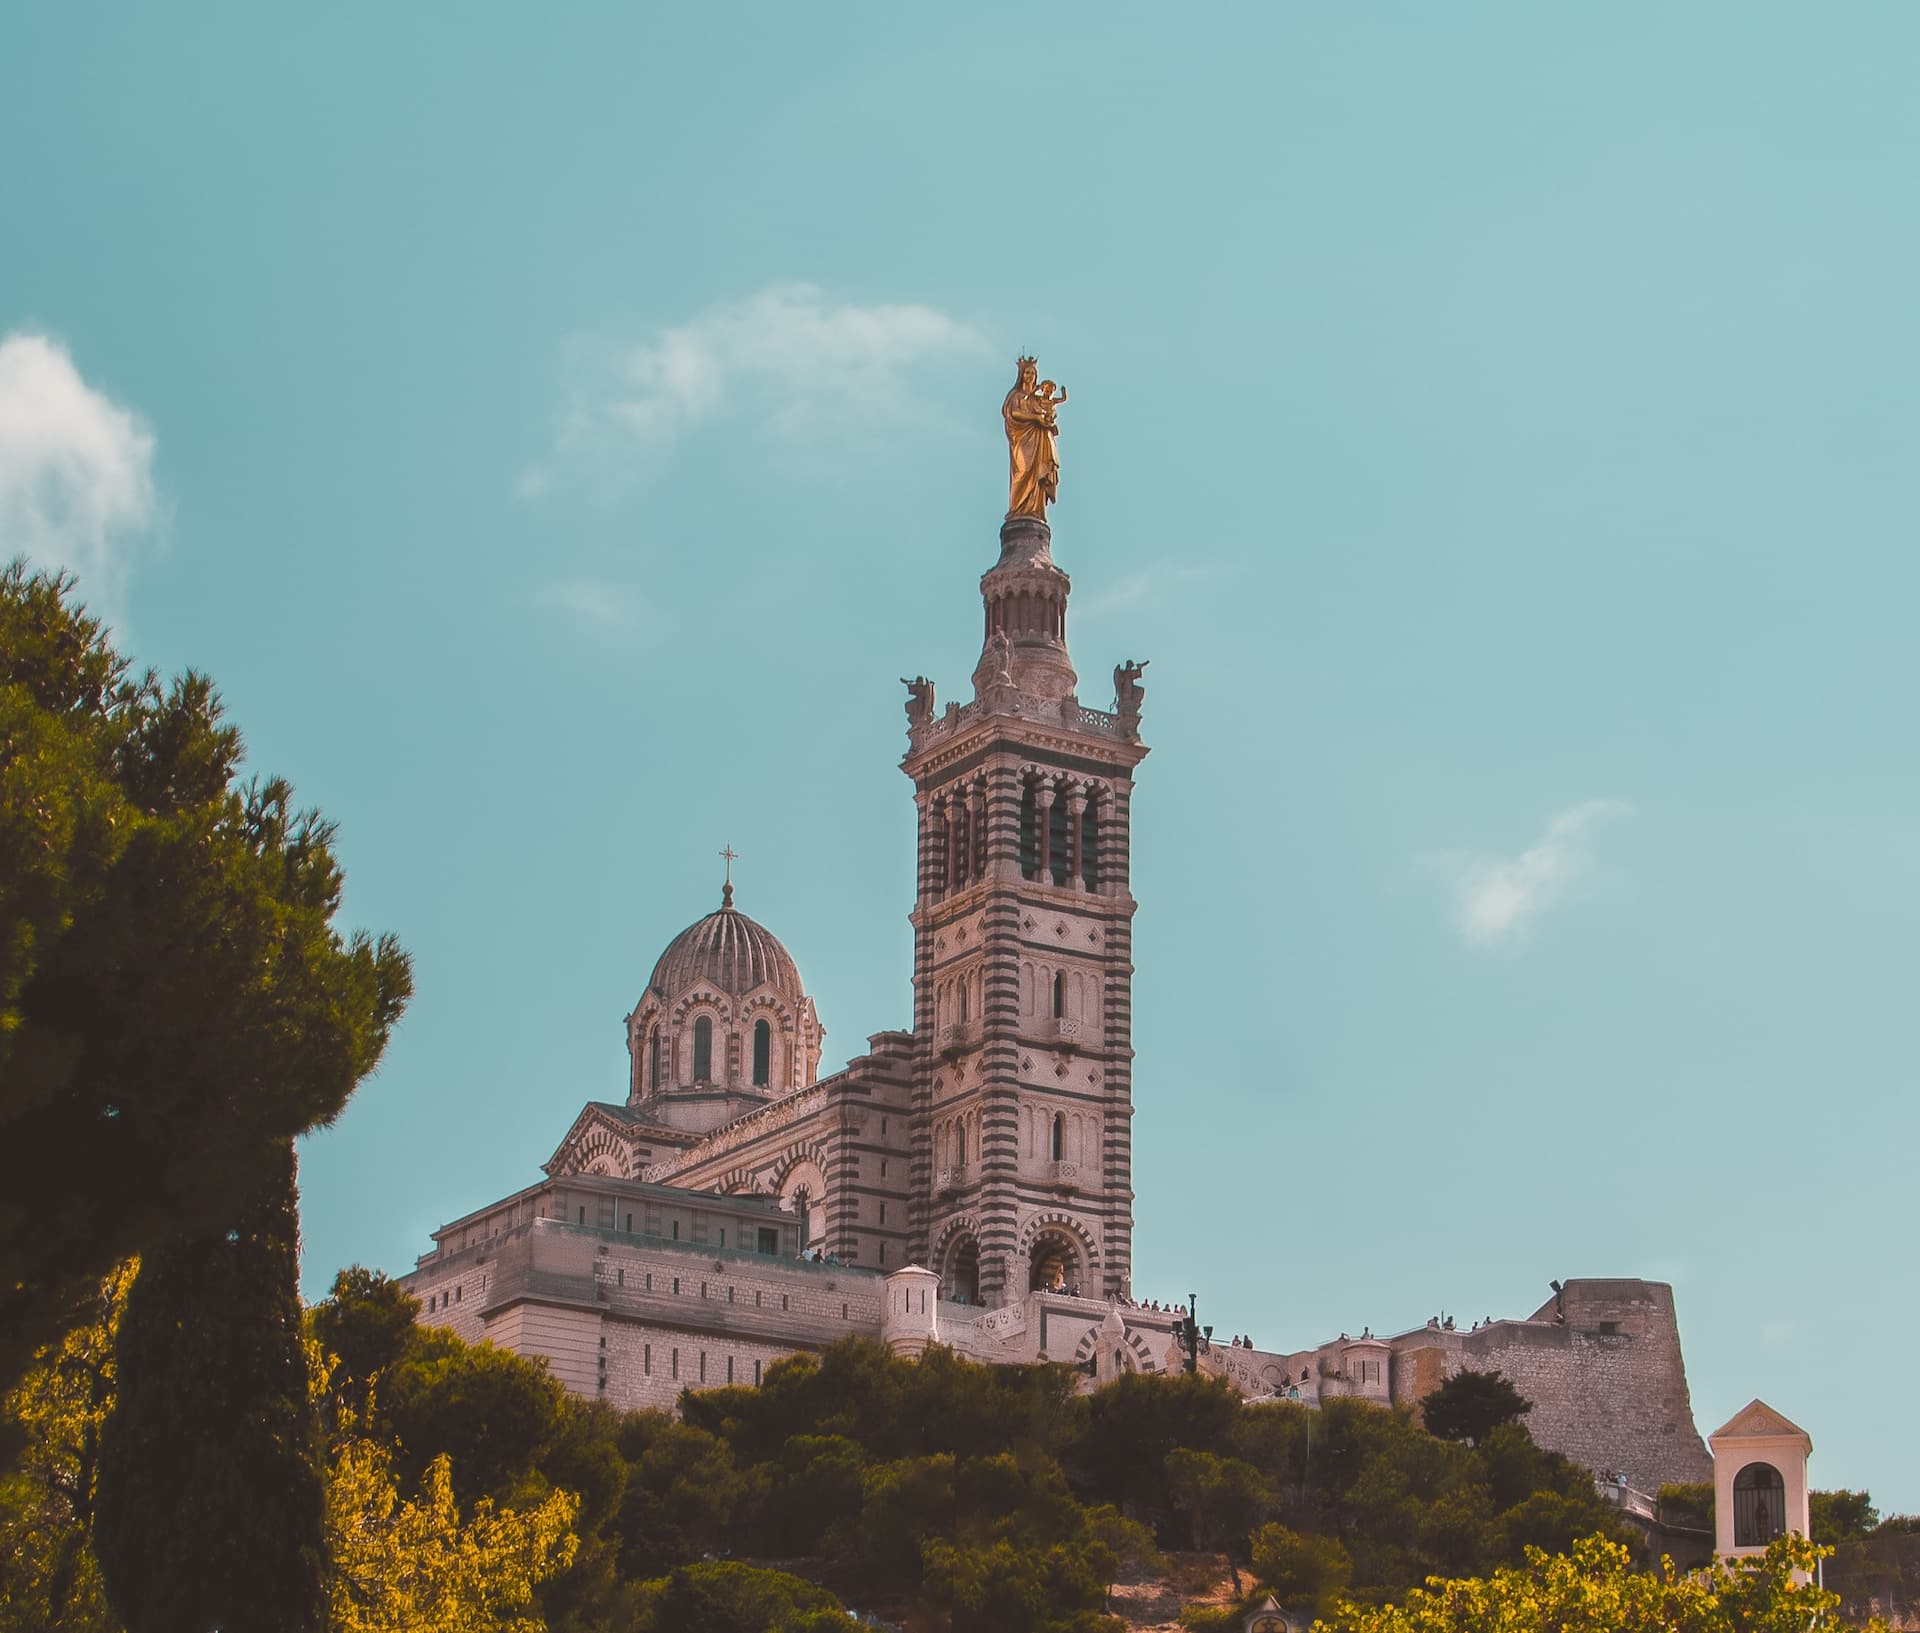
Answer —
730 951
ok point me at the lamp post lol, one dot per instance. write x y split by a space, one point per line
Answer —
1191 1336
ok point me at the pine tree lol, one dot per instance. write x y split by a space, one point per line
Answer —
174 999
212 1502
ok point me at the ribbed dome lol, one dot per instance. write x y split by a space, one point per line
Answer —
730 950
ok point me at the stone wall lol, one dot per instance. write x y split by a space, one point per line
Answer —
1601 1364
635 1319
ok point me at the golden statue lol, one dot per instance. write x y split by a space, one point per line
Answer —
1031 413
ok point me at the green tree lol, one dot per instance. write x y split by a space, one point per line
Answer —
729 1597
1119 1446
1130 1543
365 1324
175 1002
211 1508
1302 1572
494 1414
1471 1405
682 1494
906 1502
1225 1499
1842 1516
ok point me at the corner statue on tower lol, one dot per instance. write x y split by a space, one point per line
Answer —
1031 412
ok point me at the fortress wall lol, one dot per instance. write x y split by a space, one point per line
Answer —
1609 1386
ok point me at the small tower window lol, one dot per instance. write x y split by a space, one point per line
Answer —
1059 994
762 1053
1059 1136
653 1059
1090 847
703 1050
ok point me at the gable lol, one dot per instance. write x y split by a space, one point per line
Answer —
1759 1421
599 1141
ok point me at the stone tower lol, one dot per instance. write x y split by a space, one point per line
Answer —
1023 957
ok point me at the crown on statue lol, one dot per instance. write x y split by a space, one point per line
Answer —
1022 362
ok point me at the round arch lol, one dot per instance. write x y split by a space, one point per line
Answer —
1056 1262
1063 1224
803 1192
956 1261
1133 1354
1759 1505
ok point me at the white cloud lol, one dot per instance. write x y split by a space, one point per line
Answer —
1500 895
804 367
591 601
76 471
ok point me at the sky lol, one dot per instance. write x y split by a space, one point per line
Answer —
555 430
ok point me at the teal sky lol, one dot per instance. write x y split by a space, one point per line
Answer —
556 428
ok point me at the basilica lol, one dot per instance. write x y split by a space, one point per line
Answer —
967 1181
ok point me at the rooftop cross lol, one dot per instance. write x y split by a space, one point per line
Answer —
732 856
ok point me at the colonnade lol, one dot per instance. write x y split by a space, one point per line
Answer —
1061 823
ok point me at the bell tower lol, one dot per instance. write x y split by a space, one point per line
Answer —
1021 1163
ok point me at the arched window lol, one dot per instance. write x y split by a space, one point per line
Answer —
653 1059
1089 847
703 1050
1059 843
1759 1505
1059 994
1029 834
762 1053
1059 1136
962 999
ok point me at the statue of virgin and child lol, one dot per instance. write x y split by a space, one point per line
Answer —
1031 412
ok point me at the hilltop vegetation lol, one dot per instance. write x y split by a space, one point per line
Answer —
993 1496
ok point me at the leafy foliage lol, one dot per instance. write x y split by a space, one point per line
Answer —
468 1493
1304 1572
1842 1516
49 1579
413 1565
174 1000
736 1598
1594 1586
1688 1505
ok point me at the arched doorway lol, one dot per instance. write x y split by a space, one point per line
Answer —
1053 1264
960 1276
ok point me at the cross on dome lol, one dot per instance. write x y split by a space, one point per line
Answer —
726 890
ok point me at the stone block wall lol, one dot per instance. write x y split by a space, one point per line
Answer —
1603 1368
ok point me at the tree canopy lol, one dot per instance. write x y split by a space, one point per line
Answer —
174 997
1469 1406
466 1492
